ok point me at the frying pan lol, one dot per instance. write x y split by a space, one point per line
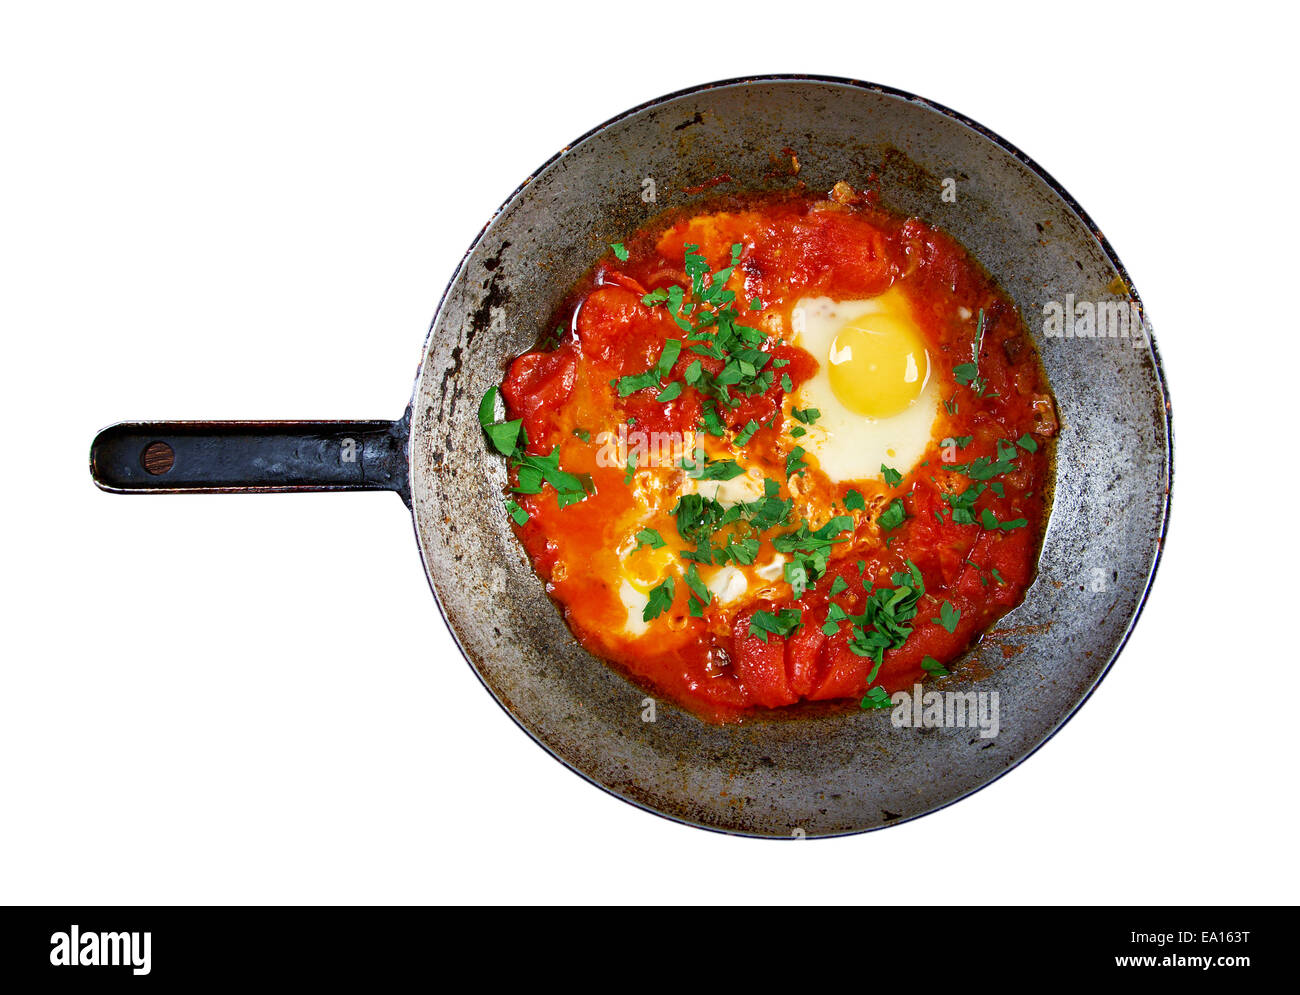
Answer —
826 773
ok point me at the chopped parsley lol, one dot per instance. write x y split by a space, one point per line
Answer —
531 470
620 252
801 571
986 468
806 540
783 622
877 697
933 667
660 599
654 376
709 319
968 374
633 382
704 468
746 433
794 462
713 421
963 504
650 538
990 522
741 551
700 595
668 356
893 516
883 622
504 436
697 517
948 617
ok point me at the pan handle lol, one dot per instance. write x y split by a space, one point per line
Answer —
252 457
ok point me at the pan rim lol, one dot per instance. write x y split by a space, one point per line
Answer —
1161 382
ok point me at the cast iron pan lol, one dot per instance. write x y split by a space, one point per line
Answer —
824 774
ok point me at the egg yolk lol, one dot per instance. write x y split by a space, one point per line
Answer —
647 567
878 365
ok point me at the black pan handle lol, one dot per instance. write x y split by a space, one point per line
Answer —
252 457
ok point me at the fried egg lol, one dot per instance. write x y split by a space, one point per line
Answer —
874 387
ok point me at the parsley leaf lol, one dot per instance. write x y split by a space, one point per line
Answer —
713 421
883 622
742 551
668 356
659 600
652 377
633 382
933 667
746 433
990 522
963 504
877 697
650 538
704 468
504 436
794 462
948 617
517 513
671 392
700 595
766 624
805 540
893 516
984 468
532 471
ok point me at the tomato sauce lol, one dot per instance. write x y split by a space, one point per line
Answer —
714 661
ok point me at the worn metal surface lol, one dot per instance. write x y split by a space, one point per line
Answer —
837 772
221 457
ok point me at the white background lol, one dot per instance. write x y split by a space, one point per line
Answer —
249 210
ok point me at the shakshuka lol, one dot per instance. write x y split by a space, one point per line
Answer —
788 448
